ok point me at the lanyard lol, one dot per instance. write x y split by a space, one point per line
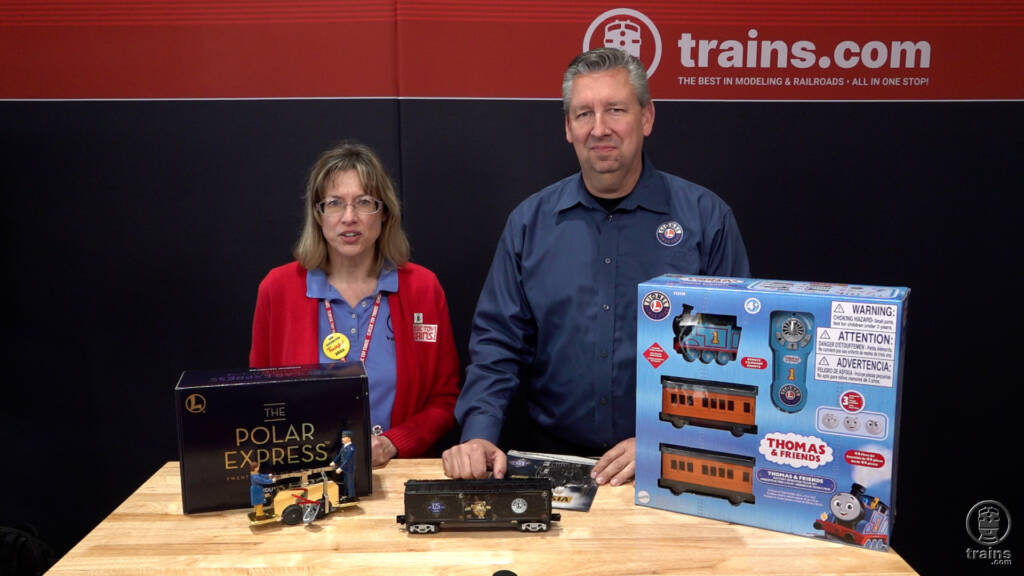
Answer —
369 327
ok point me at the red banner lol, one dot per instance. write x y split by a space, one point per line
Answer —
751 50
199 49
812 50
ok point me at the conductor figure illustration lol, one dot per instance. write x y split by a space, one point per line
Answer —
256 483
346 466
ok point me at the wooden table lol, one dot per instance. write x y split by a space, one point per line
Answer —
148 534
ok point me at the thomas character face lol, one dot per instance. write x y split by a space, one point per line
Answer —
874 427
830 421
851 423
845 507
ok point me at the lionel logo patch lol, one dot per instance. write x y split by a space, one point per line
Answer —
424 333
670 233
656 305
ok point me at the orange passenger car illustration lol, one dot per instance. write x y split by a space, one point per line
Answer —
707 473
721 405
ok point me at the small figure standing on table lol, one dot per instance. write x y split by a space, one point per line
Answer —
346 463
256 483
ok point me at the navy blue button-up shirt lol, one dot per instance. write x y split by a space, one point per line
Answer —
558 308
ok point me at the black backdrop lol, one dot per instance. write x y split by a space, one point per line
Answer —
136 233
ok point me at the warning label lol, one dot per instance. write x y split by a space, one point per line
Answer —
875 345
861 316
656 355
870 371
860 346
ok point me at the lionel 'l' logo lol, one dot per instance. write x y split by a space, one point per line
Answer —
195 403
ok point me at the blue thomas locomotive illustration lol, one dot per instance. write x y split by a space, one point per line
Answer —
856 518
708 337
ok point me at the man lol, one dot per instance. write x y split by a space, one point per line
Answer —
556 320
346 466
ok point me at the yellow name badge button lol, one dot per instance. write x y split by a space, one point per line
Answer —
336 346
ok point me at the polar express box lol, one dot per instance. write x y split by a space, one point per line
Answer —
771 403
287 419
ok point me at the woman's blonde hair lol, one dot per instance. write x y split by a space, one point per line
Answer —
392 245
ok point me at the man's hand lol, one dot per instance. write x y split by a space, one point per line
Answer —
617 465
381 450
472 459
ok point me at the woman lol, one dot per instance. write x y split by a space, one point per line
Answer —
353 295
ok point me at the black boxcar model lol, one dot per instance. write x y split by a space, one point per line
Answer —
523 503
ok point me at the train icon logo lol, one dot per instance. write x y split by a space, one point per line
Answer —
624 35
988 523
627 30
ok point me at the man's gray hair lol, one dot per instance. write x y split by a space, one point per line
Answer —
601 60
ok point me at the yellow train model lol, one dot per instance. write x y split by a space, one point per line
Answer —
309 495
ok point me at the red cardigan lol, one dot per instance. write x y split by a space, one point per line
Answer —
284 333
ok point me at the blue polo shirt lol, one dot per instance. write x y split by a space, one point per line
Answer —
353 322
557 313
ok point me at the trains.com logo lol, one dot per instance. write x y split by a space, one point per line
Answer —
747 48
627 30
988 524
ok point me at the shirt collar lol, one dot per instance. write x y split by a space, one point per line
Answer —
650 193
318 288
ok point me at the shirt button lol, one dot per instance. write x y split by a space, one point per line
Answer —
352 331
607 260
353 316
604 400
604 354
605 307
364 303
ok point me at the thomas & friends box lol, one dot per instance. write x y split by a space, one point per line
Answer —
771 403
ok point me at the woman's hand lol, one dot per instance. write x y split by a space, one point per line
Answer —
381 450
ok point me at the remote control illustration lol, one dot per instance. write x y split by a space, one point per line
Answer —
792 333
